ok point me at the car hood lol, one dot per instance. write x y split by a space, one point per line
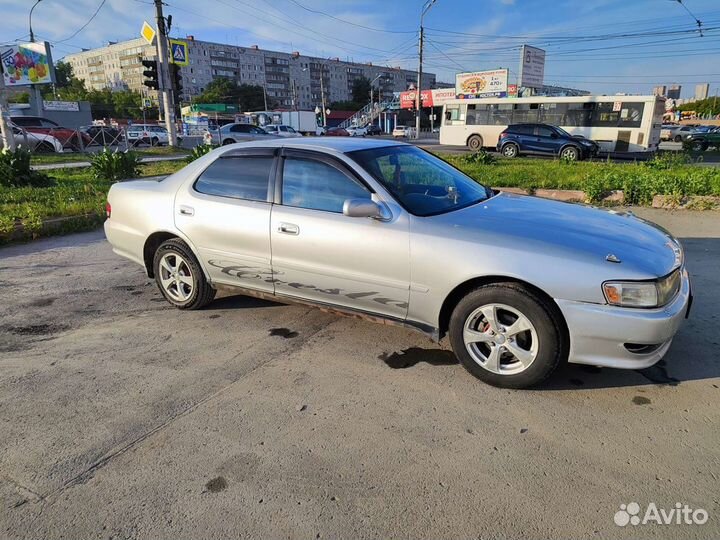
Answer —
569 230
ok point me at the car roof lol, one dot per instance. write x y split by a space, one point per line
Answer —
329 144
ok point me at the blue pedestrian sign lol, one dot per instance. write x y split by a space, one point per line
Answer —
179 52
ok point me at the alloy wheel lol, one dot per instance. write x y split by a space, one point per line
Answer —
569 153
500 339
176 277
510 150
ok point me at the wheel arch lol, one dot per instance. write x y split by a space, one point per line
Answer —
572 145
459 292
153 242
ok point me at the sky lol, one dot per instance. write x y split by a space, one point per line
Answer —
604 46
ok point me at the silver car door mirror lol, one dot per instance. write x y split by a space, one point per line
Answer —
365 208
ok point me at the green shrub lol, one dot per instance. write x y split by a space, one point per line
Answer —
668 160
199 151
114 166
15 170
481 157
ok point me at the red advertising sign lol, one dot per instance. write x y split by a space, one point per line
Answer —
429 98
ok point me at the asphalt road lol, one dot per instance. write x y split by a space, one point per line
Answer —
121 417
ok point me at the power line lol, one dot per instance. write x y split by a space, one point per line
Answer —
102 3
697 21
319 12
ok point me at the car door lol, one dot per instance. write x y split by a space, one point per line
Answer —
547 140
225 213
320 254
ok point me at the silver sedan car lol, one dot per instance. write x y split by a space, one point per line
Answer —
387 231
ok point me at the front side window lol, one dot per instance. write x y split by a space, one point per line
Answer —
245 177
424 184
545 131
318 186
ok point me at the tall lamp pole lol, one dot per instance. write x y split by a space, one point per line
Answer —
37 95
418 102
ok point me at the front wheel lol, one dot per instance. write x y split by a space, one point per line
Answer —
678 138
570 153
507 336
699 146
179 276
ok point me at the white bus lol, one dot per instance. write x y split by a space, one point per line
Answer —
617 123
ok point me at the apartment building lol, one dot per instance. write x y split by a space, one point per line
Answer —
288 78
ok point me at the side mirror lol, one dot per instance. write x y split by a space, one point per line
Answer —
365 208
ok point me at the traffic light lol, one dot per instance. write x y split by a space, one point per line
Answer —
151 74
176 80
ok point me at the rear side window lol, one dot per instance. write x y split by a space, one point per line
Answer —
522 130
26 122
237 178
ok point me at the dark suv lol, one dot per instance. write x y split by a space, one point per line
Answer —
699 141
544 139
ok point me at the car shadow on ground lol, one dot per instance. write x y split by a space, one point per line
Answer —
235 301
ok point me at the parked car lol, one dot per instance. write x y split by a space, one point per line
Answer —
699 141
232 133
35 142
520 139
403 131
676 133
152 134
337 132
103 135
357 131
69 138
281 130
387 231
374 130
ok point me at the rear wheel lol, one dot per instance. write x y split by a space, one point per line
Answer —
179 276
570 153
475 143
154 141
45 148
506 335
228 141
510 150
677 138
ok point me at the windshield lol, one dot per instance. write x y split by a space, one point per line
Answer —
424 184
562 132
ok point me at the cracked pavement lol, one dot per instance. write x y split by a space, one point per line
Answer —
122 417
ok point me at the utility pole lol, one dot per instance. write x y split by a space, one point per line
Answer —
165 89
35 88
8 138
418 102
322 95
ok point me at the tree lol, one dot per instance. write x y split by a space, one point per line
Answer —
223 90
63 74
361 91
704 107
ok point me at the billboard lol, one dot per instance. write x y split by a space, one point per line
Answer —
491 83
532 67
27 63
428 98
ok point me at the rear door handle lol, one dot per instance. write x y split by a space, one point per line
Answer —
187 210
289 228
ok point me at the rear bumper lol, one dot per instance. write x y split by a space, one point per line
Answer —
598 333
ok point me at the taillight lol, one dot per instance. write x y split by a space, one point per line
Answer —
503 134
108 210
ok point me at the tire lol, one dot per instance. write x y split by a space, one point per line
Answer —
510 150
541 344
228 141
45 148
475 143
699 146
154 141
677 138
173 261
570 153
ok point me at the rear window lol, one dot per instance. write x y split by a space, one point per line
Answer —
27 122
243 177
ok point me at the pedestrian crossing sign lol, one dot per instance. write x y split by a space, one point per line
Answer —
179 52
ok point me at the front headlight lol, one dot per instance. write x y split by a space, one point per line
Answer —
643 294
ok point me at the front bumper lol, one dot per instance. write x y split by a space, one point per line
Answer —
598 332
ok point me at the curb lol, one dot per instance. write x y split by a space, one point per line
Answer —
47 226
692 202
566 195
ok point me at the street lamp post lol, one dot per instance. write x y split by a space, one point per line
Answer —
426 7
37 96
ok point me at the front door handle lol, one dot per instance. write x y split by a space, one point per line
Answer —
186 210
289 228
